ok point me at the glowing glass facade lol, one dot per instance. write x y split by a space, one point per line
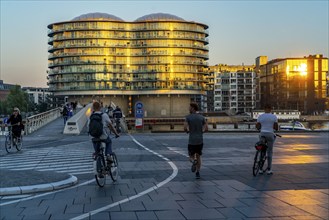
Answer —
100 54
295 84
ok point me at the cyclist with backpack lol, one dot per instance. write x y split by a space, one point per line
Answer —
100 127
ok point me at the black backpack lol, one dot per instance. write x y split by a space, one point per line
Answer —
96 125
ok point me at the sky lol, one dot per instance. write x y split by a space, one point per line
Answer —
239 31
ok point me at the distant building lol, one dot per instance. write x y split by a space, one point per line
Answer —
294 83
158 59
37 95
234 88
5 90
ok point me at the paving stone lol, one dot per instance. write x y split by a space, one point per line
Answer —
100 216
132 206
123 216
36 217
146 215
231 202
230 213
315 210
201 213
169 215
74 209
161 205
253 212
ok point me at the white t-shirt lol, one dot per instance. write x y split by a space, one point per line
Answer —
267 121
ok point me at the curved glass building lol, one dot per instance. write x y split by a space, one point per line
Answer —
158 59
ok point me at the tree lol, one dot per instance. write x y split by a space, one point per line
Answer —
17 98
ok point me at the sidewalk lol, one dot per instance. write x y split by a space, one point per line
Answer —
30 181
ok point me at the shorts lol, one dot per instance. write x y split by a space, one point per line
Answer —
192 149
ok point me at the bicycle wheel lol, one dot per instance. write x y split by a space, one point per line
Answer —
101 172
9 145
256 167
114 171
262 161
19 143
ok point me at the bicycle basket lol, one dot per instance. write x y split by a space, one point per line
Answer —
260 146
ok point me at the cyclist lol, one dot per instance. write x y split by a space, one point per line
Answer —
117 115
107 127
195 124
17 124
267 123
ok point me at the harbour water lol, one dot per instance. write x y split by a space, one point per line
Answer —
317 126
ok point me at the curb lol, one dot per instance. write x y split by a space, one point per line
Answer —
19 190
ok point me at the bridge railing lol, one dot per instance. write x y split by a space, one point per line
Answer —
37 121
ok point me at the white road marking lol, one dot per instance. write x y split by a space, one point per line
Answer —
172 176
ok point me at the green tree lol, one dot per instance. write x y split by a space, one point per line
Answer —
3 109
17 98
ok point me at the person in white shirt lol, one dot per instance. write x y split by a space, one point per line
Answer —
267 123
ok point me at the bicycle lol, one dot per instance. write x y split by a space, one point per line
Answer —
260 156
101 166
12 141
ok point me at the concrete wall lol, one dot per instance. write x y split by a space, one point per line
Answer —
164 106
155 106
76 123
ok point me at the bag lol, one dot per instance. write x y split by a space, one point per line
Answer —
260 145
95 125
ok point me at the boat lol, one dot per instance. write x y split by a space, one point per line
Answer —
294 126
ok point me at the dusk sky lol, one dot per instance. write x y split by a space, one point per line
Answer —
239 31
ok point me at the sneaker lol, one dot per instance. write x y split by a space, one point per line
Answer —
261 171
269 172
193 168
100 175
197 175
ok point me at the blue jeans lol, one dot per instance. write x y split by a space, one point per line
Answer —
108 146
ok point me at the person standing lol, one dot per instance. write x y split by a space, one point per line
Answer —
195 125
267 123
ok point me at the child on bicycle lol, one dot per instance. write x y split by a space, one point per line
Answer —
267 123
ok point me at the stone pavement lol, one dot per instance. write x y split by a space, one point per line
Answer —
227 190
32 181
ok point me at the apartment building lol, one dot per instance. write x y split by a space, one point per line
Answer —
293 83
158 59
234 88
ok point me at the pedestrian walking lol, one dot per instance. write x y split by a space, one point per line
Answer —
195 125
65 113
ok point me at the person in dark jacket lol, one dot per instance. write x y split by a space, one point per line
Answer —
16 122
65 113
